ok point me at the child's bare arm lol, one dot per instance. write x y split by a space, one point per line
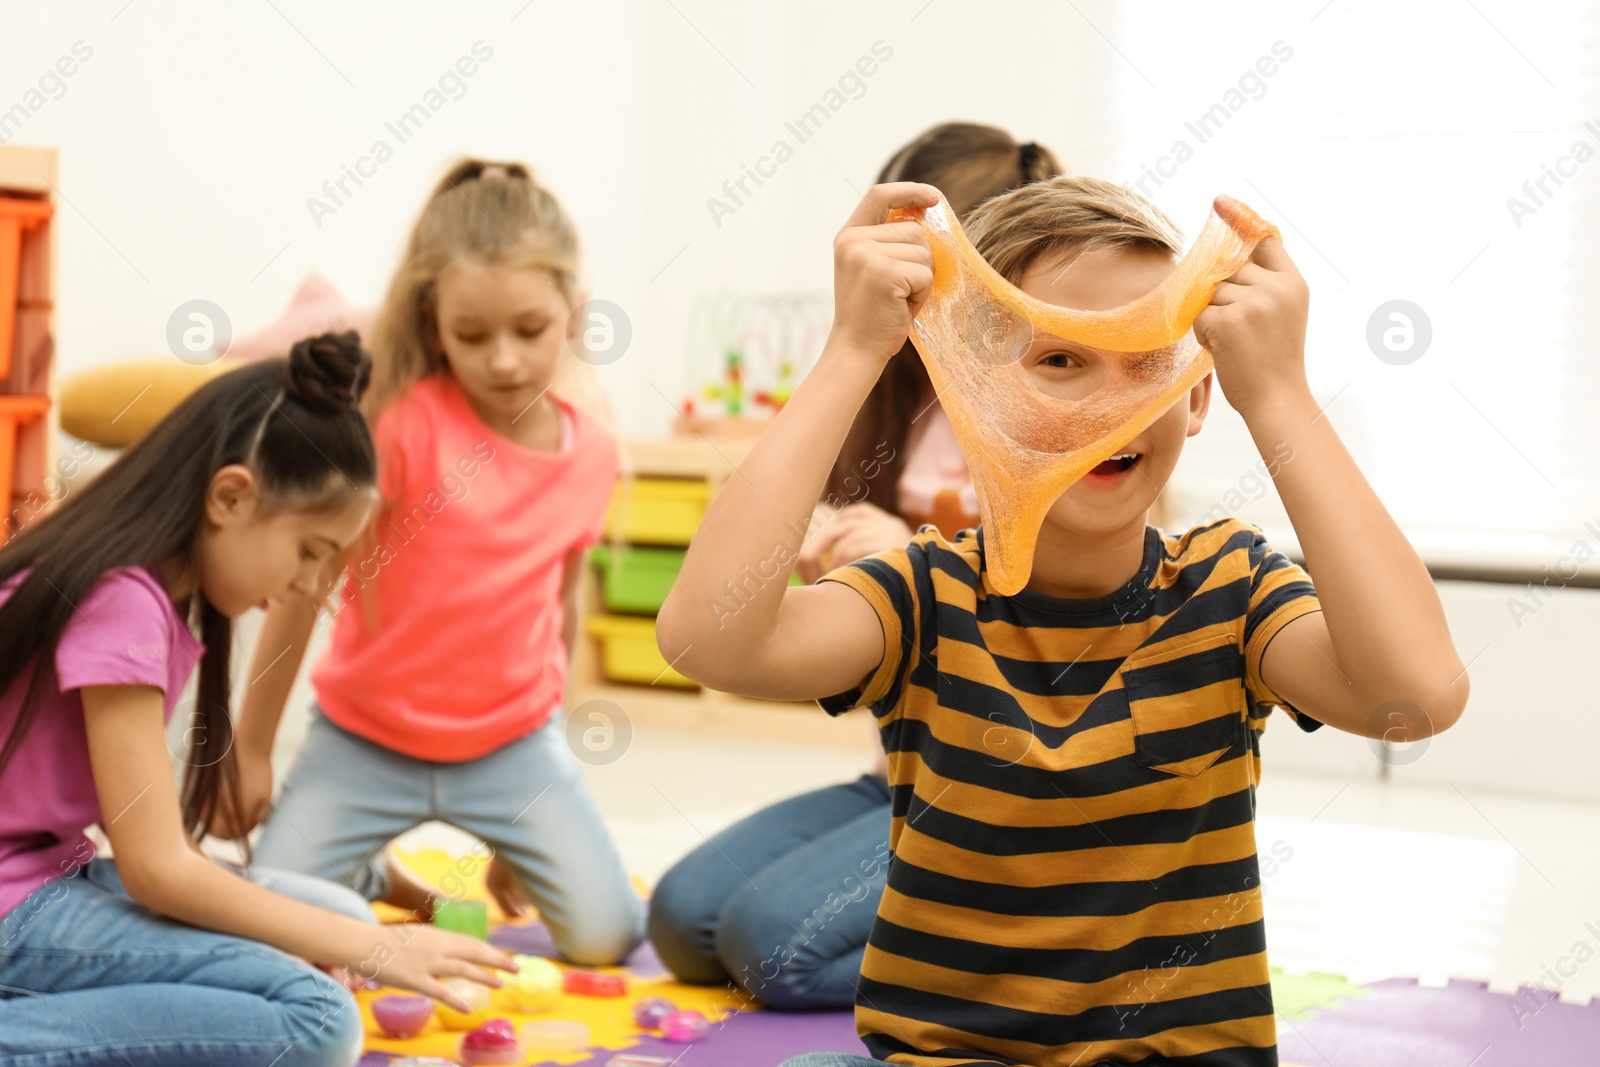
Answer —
280 649
161 869
1378 659
758 636
279 652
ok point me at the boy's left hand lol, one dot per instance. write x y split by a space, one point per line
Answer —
1255 330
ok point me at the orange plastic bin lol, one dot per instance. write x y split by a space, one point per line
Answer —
15 412
17 216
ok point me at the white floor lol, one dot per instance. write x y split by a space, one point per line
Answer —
1376 880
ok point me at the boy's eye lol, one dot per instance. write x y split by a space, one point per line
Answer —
307 556
529 333
1058 359
471 338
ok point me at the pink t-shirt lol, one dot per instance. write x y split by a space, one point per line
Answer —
448 643
126 631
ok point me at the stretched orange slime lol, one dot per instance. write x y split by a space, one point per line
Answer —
1025 447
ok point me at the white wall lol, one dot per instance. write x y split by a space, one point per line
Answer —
194 134
1530 726
192 138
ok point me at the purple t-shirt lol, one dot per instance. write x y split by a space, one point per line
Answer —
126 631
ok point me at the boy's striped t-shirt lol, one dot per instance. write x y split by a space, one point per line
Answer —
1074 876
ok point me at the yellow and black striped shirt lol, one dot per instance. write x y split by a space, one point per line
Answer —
1073 877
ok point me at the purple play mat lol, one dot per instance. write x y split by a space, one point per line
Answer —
1397 1024
1403 1024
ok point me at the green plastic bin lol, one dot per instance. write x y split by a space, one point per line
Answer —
636 579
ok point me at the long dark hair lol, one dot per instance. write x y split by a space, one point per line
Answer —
968 163
293 422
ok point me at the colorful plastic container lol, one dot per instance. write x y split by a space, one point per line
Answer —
470 917
491 1045
17 216
479 996
402 1016
649 1011
657 511
636 579
552 1035
536 986
682 1027
594 984
629 652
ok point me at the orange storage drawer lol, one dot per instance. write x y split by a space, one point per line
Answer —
17 216
15 412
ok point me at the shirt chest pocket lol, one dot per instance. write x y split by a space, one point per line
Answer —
1186 703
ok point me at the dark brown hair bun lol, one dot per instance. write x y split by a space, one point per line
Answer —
328 373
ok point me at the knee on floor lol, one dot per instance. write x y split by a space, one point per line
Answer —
324 1023
602 936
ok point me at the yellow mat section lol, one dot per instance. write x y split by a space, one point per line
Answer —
610 1019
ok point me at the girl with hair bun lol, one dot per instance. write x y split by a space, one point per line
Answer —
161 956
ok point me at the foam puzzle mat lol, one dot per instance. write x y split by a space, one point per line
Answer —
1324 1020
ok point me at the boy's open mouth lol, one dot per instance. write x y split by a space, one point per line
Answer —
1117 464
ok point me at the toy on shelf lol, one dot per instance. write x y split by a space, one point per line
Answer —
470 917
553 1035
592 984
535 987
402 1016
479 996
682 1027
745 357
648 1013
490 1045
1023 446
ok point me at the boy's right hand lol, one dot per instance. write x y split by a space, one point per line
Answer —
427 955
882 271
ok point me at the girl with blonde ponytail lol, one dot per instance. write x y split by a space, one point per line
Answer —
440 695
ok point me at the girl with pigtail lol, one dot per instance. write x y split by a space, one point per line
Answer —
440 695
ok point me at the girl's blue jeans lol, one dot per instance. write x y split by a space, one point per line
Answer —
346 798
88 977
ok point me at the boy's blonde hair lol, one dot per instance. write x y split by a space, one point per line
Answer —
491 213
1065 216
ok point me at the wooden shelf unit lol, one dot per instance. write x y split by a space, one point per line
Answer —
700 710
32 172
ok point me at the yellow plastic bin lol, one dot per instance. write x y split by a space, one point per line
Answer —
629 652
657 511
